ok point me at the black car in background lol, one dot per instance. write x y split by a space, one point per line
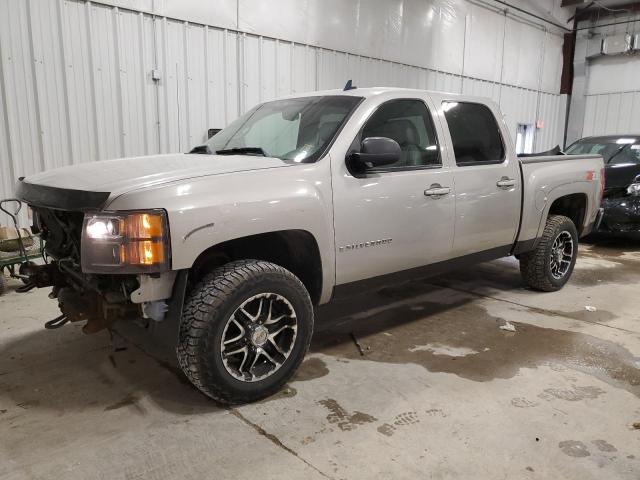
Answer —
621 201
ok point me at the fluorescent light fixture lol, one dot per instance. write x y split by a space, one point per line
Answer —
625 141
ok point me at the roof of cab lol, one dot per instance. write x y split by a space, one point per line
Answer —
369 92
610 138
373 91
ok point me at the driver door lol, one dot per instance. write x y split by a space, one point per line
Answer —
397 217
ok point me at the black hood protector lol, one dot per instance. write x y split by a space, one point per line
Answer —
60 198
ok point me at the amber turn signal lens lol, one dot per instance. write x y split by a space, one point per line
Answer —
143 226
144 252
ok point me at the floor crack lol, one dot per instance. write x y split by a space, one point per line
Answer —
275 440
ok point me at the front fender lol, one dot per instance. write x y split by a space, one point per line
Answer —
207 211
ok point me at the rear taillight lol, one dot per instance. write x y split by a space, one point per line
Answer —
602 182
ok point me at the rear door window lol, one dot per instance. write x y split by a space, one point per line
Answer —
474 132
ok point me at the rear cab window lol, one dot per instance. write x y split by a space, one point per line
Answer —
475 133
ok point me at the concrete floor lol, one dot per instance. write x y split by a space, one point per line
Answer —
440 392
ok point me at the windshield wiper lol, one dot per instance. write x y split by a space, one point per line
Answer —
202 149
242 150
616 154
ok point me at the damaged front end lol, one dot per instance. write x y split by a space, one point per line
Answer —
622 209
103 266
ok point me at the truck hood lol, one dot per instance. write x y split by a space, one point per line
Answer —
110 178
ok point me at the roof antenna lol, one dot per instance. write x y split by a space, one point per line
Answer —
349 86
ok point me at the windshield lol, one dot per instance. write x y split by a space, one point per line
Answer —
614 151
296 129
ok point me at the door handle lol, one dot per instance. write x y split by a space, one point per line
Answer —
436 190
506 182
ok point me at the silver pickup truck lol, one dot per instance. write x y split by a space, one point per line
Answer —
298 201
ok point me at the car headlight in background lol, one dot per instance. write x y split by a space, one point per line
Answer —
634 188
125 242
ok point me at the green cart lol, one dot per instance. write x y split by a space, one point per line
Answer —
18 252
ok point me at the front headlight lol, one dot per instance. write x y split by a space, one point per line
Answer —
125 242
634 188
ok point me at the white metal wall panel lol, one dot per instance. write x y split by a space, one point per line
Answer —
49 78
613 74
522 62
23 123
196 85
613 113
174 86
222 13
138 101
7 177
76 81
481 88
106 74
552 64
518 106
76 48
484 43
552 112
222 78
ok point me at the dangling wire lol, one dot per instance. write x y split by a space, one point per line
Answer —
56 322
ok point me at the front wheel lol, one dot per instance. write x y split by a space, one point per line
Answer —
549 266
245 329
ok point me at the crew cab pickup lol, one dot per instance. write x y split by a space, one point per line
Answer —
298 201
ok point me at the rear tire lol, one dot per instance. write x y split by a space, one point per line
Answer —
245 329
549 266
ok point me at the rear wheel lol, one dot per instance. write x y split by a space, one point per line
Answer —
245 330
549 266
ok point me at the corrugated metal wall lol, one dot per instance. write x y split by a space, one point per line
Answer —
612 113
612 94
76 83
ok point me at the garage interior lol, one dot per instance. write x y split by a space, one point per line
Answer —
463 375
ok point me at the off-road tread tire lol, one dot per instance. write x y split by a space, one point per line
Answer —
202 311
534 265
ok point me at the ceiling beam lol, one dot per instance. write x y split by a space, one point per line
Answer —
586 13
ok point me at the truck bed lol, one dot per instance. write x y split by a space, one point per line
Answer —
547 178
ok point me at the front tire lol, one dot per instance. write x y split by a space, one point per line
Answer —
549 266
245 329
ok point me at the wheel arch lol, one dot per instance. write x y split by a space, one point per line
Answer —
295 250
573 206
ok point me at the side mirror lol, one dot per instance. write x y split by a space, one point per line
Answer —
377 152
